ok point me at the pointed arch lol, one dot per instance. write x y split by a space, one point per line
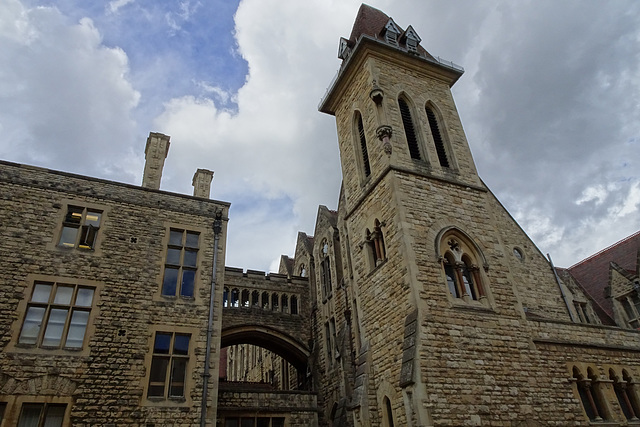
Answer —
461 258
361 138
409 127
437 133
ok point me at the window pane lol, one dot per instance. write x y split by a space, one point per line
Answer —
190 258
41 292
192 240
157 376
93 218
31 326
231 422
263 422
68 236
277 422
247 422
84 298
55 326
170 281
77 327
178 373
188 277
162 343
3 406
88 237
181 344
173 256
54 416
30 415
63 295
175 237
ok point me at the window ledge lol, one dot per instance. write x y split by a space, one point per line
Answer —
377 267
472 306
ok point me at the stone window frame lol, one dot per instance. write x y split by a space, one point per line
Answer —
360 146
201 265
234 297
240 416
589 390
630 304
190 371
31 280
14 404
463 269
411 128
387 410
626 392
376 250
439 136
582 309
326 280
64 204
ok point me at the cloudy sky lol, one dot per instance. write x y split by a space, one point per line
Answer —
550 101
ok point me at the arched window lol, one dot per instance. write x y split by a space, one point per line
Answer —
303 270
363 146
437 137
245 298
409 129
294 304
325 270
225 297
265 301
375 240
388 412
285 304
255 299
274 302
460 260
586 397
235 297
624 393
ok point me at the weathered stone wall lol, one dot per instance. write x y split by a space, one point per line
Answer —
109 375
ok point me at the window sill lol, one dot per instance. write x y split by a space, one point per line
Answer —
377 267
472 305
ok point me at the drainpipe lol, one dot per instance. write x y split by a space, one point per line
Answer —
564 297
217 230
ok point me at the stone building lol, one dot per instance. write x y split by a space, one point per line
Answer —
418 302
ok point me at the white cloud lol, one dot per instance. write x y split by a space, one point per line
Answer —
65 99
115 5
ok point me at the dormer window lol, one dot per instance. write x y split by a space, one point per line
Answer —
343 49
411 39
391 32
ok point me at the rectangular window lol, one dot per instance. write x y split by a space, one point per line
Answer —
169 365
42 415
181 263
254 422
80 228
57 315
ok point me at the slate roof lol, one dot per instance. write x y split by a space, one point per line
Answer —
593 273
371 21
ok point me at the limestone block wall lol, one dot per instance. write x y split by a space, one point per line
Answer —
299 409
105 381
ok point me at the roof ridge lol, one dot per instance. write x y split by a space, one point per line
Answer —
605 249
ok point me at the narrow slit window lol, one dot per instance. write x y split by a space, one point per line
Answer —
437 138
363 147
409 129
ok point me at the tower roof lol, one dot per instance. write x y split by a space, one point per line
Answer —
372 22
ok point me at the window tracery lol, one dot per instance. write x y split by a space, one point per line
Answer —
459 259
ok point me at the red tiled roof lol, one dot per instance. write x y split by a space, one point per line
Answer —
593 273
371 21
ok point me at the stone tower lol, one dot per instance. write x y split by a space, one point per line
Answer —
439 278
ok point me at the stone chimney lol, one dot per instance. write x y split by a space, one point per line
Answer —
202 183
154 153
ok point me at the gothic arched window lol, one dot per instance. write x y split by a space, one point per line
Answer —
437 137
461 260
364 154
325 270
409 129
625 395
375 241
